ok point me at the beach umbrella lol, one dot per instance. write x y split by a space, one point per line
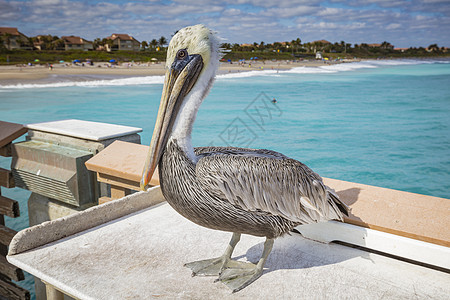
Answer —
61 61
77 61
154 59
36 60
112 60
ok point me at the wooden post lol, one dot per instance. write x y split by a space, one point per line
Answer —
10 208
3 248
120 165
118 192
52 293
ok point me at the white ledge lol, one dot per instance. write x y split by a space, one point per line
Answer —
141 255
94 131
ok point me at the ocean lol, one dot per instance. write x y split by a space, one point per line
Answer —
382 122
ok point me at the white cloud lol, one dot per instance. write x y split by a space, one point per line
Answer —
411 22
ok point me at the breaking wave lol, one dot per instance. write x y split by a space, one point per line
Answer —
332 68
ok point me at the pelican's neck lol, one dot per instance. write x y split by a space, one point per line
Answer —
184 122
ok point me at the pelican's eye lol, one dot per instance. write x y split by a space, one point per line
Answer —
182 54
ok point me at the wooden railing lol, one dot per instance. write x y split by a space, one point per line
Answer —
10 208
415 216
120 165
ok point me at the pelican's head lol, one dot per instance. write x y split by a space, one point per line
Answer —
192 61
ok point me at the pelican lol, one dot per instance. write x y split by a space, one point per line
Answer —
244 191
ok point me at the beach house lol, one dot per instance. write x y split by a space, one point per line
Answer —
76 43
121 41
13 38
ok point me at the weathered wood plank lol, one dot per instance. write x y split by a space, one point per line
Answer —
10 131
12 291
10 270
6 235
117 181
103 200
119 192
9 207
124 161
6 178
3 248
6 150
415 216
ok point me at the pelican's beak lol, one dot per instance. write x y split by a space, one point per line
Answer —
180 79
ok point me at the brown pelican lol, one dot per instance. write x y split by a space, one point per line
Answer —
257 192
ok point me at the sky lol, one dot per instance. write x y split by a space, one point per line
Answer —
403 23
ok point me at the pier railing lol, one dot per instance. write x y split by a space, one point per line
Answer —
10 208
109 163
385 216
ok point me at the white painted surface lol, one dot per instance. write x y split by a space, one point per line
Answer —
141 256
381 241
94 131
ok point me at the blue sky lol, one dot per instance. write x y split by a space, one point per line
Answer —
403 23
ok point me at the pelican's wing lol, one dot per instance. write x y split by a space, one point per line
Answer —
267 182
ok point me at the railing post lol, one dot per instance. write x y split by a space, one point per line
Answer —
50 163
10 208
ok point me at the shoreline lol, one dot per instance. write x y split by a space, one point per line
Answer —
14 75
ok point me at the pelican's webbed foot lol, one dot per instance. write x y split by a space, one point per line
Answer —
207 267
242 274
214 266
234 274
238 277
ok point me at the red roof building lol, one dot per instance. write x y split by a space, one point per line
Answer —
76 43
13 38
123 41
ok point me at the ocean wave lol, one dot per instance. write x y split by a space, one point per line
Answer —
332 68
92 83
244 74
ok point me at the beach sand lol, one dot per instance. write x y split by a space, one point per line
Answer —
10 75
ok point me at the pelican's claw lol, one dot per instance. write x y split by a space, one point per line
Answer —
207 267
240 276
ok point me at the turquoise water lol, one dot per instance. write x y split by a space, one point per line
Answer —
382 123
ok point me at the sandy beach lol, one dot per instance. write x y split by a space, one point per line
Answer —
10 75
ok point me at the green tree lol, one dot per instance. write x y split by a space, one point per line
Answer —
7 40
144 45
433 48
97 43
153 43
162 41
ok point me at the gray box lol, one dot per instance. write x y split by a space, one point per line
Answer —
54 171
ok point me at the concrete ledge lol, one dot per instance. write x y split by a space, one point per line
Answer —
141 256
51 231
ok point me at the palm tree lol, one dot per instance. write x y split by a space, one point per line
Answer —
386 45
7 40
433 47
97 43
162 41
144 44
154 43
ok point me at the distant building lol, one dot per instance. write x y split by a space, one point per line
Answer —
384 45
13 39
121 41
76 43
401 49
